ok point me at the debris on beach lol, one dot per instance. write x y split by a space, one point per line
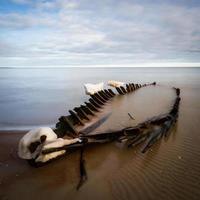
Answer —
40 146
130 116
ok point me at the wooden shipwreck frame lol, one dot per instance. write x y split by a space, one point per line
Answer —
78 125
78 122
75 124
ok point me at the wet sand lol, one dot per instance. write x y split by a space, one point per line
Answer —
170 170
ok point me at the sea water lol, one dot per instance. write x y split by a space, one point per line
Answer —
31 97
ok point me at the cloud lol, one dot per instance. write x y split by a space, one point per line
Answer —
101 33
22 1
48 4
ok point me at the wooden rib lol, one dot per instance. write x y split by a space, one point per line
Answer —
135 85
131 86
119 91
177 91
94 103
81 113
97 99
100 97
127 88
68 124
108 93
87 110
72 119
103 95
91 106
111 92
76 117
123 89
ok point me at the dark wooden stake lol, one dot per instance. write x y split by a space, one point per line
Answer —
81 113
76 117
111 92
119 91
123 89
91 106
83 173
94 103
130 116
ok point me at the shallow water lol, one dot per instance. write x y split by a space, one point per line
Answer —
37 97
169 170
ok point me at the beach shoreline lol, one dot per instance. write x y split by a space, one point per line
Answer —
170 169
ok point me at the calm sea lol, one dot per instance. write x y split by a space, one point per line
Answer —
37 97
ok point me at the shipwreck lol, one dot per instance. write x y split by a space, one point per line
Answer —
91 123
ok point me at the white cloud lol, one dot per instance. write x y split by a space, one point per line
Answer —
102 32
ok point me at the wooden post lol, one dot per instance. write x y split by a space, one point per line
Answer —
87 110
91 106
132 86
119 91
123 89
100 97
94 103
127 88
81 113
109 90
103 95
69 125
108 93
76 117
97 99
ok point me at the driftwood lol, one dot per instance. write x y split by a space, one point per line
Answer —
130 116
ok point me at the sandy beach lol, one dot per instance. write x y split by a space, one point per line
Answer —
100 100
169 170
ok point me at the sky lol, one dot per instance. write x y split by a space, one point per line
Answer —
40 33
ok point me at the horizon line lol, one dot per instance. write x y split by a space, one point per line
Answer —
135 65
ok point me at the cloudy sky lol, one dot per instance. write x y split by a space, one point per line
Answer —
99 32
